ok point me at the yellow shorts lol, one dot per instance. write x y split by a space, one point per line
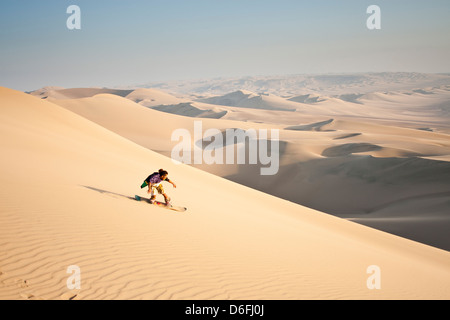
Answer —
159 188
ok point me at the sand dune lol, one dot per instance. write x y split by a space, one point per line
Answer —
317 126
143 96
152 97
189 110
246 99
308 98
352 153
76 93
416 99
66 191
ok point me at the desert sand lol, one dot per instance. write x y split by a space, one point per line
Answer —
72 160
378 158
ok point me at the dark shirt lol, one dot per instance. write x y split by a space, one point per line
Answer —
155 178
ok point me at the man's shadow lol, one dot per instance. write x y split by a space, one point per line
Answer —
110 193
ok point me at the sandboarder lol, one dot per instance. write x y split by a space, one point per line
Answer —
154 181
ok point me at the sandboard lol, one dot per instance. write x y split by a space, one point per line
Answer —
161 204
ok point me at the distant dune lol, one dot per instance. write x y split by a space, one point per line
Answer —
320 84
246 99
152 97
307 98
75 93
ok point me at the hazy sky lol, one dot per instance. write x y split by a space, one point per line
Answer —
129 42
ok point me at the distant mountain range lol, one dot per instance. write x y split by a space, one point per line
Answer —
292 85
